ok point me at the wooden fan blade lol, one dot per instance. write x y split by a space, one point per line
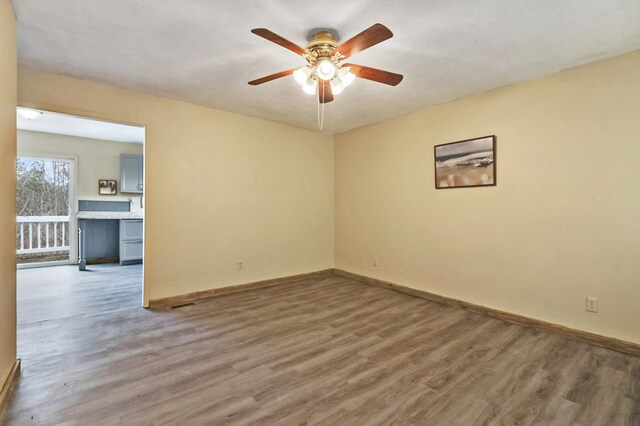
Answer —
272 77
324 92
375 74
373 35
271 36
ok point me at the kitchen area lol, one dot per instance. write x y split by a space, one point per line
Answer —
113 231
89 175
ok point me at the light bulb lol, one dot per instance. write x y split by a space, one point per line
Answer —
336 86
310 87
29 114
346 76
325 69
301 75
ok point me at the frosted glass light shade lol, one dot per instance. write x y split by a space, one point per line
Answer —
346 76
336 86
325 69
310 86
301 75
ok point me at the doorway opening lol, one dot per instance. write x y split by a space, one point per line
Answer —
79 180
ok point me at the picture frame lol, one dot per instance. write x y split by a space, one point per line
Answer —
107 187
466 164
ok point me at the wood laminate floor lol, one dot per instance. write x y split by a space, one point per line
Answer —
334 352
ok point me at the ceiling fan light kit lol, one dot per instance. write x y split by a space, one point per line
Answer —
323 74
338 77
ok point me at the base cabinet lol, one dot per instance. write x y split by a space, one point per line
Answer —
131 231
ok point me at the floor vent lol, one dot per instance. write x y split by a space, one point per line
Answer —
182 305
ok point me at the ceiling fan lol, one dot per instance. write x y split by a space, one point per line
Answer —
324 73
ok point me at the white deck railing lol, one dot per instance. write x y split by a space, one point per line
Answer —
41 234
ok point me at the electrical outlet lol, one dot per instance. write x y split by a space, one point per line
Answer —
375 261
592 304
240 264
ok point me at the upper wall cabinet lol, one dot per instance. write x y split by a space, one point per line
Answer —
131 173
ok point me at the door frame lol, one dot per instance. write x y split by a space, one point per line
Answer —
101 116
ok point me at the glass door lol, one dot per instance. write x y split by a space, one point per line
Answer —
44 224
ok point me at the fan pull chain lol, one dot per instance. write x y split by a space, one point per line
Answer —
321 109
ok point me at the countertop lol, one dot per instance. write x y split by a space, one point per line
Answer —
109 215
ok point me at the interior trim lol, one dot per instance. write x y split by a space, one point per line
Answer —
570 333
9 386
205 294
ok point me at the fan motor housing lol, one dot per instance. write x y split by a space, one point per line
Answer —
322 44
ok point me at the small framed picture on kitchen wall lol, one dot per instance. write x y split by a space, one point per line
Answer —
467 163
107 187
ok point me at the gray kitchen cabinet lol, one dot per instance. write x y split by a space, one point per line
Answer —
131 173
99 241
131 241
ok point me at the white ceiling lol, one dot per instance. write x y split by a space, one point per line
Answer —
202 51
64 124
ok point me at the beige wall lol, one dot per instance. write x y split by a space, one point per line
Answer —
7 190
97 159
219 187
561 224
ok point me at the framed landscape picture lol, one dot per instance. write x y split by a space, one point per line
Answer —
467 163
107 187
